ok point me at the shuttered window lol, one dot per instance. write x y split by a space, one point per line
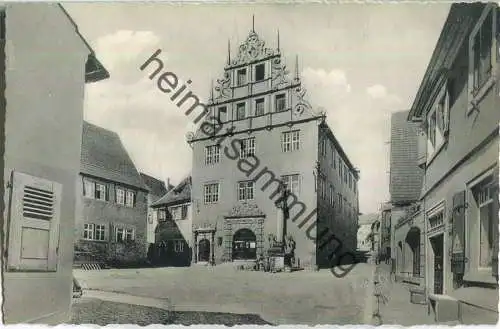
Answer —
33 223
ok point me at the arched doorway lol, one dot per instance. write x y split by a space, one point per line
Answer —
204 250
413 241
244 244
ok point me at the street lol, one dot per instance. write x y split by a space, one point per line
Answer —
300 297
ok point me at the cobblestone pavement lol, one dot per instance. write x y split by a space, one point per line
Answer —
102 312
397 309
282 298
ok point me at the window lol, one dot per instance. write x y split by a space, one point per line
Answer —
292 183
354 183
240 111
242 77
88 231
120 196
100 191
332 195
350 180
483 53
260 72
100 232
483 194
436 220
34 219
179 212
129 234
259 106
280 103
339 197
345 174
245 190
178 245
130 199
162 215
322 187
247 147
120 234
222 114
212 154
290 141
437 123
322 147
340 169
211 193
88 188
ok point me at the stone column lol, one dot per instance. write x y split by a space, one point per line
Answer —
279 225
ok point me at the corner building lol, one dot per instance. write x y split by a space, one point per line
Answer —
264 134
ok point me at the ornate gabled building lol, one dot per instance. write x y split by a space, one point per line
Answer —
261 134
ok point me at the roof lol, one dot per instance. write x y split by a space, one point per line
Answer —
406 177
94 70
245 209
104 156
180 193
458 25
340 150
154 185
367 219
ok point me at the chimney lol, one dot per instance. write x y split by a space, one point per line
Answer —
168 183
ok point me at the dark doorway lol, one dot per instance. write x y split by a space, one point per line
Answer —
204 250
437 247
413 241
244 244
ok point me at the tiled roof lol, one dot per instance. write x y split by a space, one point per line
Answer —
104 156
245 209
167 230
155 186
180 193
406 177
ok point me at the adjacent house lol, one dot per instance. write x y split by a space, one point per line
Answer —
156 189
405 187
174 231
41 105
457 106
364 231
111 218
268 141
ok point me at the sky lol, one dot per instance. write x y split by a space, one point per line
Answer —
358 62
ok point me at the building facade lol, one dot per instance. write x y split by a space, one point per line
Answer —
458 105
263 138
364 236
156 189
42 125
174 232
111 215
405 187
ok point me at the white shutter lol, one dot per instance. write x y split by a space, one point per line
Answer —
34 223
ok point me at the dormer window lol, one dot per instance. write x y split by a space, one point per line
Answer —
241 77
260 72
280 103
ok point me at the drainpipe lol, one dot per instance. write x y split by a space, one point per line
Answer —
424 215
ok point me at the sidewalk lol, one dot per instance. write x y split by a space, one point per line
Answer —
397 309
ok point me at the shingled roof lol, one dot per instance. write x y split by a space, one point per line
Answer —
180 193
406 176
104 156
155 186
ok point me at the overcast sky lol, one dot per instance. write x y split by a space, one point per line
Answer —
358 62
